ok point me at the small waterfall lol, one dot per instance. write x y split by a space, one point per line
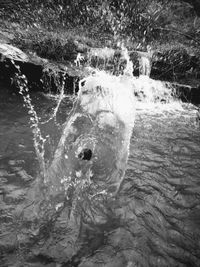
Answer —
149 91
145 62
129 65
145 68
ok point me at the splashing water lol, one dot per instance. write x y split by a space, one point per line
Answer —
59 100
98 122
155 100
150 94
149 91
38 140
35 121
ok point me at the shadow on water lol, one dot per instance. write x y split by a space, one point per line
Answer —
153 221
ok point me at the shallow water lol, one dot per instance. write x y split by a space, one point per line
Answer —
154 220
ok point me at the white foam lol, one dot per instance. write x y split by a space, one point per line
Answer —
103 91
151 91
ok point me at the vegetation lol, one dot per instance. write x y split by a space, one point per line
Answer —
143 22
58 29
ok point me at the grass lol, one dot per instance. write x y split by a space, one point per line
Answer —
58 45
61 44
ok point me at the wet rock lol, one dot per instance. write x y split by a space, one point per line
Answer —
41 74
188 93
173 65
176 65
9 51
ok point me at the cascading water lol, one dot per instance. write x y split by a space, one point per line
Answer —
145 62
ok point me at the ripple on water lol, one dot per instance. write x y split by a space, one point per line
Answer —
168 193
154 221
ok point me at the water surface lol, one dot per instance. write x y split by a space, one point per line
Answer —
154 220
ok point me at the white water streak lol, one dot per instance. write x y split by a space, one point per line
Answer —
38 140
60 98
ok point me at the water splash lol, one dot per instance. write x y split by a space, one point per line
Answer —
101 121
147 92
35 121
151 95
113 94
80 194
116 94
38 139
60 97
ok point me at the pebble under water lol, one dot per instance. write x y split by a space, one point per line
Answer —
153 221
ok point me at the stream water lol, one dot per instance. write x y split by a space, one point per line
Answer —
153 221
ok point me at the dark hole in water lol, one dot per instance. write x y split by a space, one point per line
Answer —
86 154
83 83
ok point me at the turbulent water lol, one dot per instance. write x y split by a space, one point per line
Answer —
153 221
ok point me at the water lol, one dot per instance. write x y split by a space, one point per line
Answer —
154 219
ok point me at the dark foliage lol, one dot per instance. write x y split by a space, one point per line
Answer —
143 21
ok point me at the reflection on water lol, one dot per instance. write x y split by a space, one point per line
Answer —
154 221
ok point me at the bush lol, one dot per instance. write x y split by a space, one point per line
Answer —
143 21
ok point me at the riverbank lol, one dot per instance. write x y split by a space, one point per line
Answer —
65 54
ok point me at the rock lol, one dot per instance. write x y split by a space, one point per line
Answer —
187 93
41 74
173 65
9 51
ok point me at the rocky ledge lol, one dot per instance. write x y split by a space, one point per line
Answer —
41 74
45 75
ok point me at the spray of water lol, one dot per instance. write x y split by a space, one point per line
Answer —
122 88
81 195
38 139
61 96
35 121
